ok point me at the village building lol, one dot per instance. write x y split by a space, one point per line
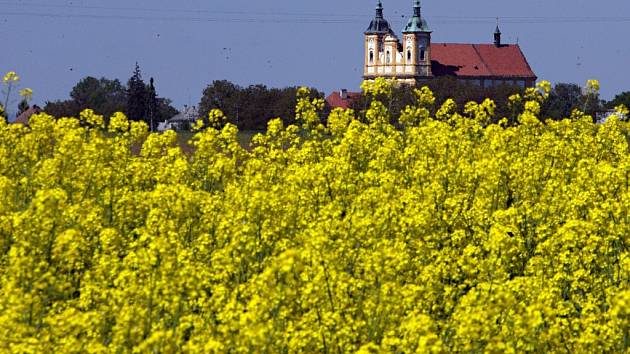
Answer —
342 99
417 59
25 117
181 121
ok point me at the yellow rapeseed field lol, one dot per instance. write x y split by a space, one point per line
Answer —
441 233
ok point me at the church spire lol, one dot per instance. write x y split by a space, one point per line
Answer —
416 9
497 35
379 9
379 25
416 22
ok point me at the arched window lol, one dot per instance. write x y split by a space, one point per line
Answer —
408 54
371 57
388 57
422 54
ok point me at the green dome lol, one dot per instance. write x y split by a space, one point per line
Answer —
416 23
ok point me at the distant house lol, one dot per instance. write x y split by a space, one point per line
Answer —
181 121
26 115
342 99
602 117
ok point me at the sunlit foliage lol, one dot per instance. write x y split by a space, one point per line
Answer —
439 234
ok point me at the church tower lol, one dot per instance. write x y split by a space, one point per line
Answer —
386 56
413 59
375 56
417 46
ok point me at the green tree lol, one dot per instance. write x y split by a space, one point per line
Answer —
151 105
107 97
223 95
104 96
164 109
250 108
621 99
137 96
444 88
562 100
65 108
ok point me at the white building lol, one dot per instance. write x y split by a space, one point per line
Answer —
181 121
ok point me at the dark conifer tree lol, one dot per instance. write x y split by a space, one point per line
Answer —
137 96
152 105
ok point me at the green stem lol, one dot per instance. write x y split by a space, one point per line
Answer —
6 100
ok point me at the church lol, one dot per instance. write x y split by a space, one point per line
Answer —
416 59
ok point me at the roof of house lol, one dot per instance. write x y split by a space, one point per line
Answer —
26 115
188 114
479 60
334 100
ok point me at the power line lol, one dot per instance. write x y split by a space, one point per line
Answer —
301 20
277 17
173 10
170 18
302 14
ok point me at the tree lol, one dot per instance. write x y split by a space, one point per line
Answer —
562 100
107 97
164 109
252 107
151 105
66 108
444 88
223 95
621 99
136 96
104 96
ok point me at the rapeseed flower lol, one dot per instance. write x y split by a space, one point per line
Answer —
441 233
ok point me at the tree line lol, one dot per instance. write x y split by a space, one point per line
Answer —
251 107
138 100
563 99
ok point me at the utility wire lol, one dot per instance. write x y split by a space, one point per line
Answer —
299 20
169 10
323 15
273 17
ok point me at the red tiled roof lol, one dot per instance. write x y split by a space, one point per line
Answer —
334 100
479 60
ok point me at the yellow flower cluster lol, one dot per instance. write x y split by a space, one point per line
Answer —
26 93
11 76
11 80
442 234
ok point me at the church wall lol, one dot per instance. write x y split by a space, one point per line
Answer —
390 58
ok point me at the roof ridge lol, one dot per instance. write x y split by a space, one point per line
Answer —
475 44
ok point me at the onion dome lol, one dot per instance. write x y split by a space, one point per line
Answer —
379 24
416 23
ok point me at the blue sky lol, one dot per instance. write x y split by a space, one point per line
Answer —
185 45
